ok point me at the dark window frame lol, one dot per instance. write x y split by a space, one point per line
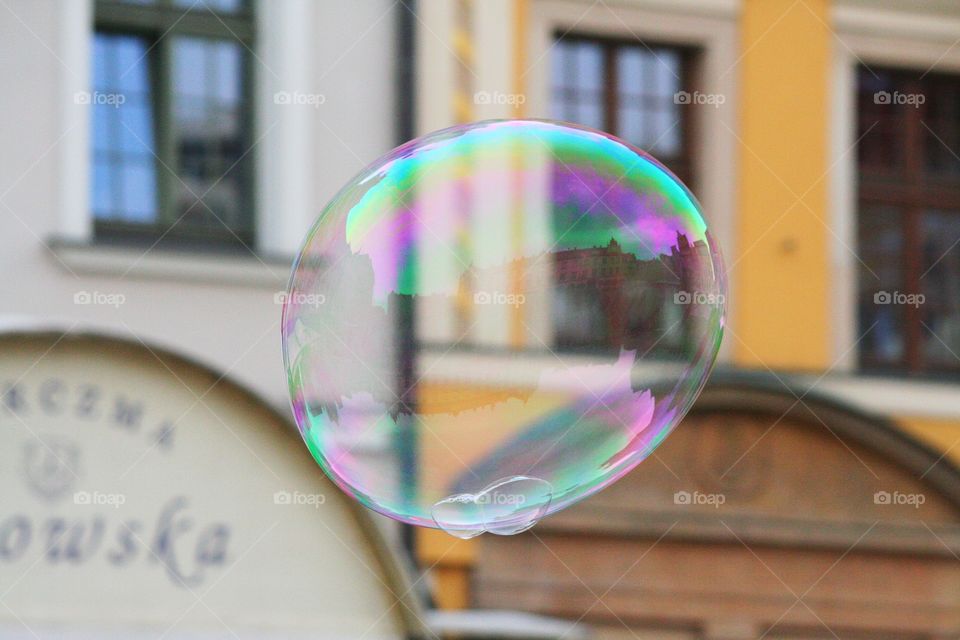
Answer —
910 188
611 47
158 22
682 165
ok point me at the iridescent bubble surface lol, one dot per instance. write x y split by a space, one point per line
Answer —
497 320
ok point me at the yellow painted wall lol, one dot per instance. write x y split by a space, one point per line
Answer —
780 271
450 560
939 434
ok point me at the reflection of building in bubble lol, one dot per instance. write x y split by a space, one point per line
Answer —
630 299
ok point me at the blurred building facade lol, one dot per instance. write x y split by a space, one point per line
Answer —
162 160
820 139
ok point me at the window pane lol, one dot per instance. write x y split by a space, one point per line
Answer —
124 182
881 125
578 83
136 130
648 116
562 82
881 283
208 84
103 120
560 60
633 114
190 65
666 75
633 124
942 131
130 55
590 113
665 133
588 66
102 59
940 284
103 188
139 191
223 6
631 71
228 76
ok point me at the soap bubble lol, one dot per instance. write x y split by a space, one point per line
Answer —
497 320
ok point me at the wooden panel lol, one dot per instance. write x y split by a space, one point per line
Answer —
847 515
686 583
791 470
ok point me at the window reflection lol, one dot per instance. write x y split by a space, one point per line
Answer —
628 89
208 122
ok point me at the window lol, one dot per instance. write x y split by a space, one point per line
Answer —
909 221
631 90
172 121
637 93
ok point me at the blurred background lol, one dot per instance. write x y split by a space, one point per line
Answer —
161 161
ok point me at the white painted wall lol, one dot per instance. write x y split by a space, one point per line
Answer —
216 309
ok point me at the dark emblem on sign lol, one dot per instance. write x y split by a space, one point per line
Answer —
51 467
